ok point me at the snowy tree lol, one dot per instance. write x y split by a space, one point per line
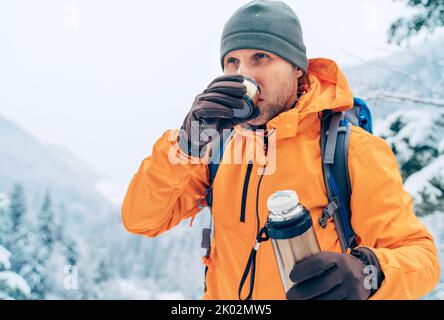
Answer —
429 16
28 259
17 207
417 139
102 274
46 225
70 251
12 286
29 255
5 220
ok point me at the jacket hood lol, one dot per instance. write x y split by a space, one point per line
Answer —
329 89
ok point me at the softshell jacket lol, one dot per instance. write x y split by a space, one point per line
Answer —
165 191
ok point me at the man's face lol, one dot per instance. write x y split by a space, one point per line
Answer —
277 78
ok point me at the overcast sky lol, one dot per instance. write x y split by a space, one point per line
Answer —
107 78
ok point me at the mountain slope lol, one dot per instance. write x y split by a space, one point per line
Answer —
40 168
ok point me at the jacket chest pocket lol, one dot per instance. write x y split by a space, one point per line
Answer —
234 197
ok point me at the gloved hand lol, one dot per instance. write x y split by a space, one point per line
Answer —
335 276
213 109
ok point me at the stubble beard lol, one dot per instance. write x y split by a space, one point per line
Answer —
267 113
273 109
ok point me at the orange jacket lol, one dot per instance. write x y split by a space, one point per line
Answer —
164 192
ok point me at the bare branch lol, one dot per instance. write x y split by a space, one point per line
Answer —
387 96
439 64
380 65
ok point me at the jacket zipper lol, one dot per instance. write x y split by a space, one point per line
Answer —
257 204
245 191
259 186
258 225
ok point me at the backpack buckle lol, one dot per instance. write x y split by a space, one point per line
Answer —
206 238
328 212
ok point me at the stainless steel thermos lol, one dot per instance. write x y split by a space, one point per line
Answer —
290 229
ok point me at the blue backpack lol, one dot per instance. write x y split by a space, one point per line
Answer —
335 137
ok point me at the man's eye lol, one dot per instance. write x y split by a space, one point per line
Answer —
261 56
231 60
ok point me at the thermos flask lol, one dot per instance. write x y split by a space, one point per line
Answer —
290 228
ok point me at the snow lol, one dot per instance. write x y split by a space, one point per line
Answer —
4 259
174 295
441 146
417 137
420 181
4 201
15 282
132 289
435 225
417 128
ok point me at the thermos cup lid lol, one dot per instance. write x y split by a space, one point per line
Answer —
287 218
282 201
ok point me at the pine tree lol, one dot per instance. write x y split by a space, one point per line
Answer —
29 260
47 238
70 251
29 256
429 204
12 212
12 286
418 156
101 274
19 232
45 220
17 207
5 221
429 16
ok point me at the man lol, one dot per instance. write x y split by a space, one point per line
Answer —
263 41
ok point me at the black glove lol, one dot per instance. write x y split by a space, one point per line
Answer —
213 109
335 276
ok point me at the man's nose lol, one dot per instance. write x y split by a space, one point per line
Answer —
246 71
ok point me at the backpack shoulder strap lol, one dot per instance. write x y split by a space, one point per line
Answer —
213 166
215 160
335 137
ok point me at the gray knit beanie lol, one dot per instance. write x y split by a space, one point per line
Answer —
265 25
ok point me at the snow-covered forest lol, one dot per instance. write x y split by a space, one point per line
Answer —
60 238
406 94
